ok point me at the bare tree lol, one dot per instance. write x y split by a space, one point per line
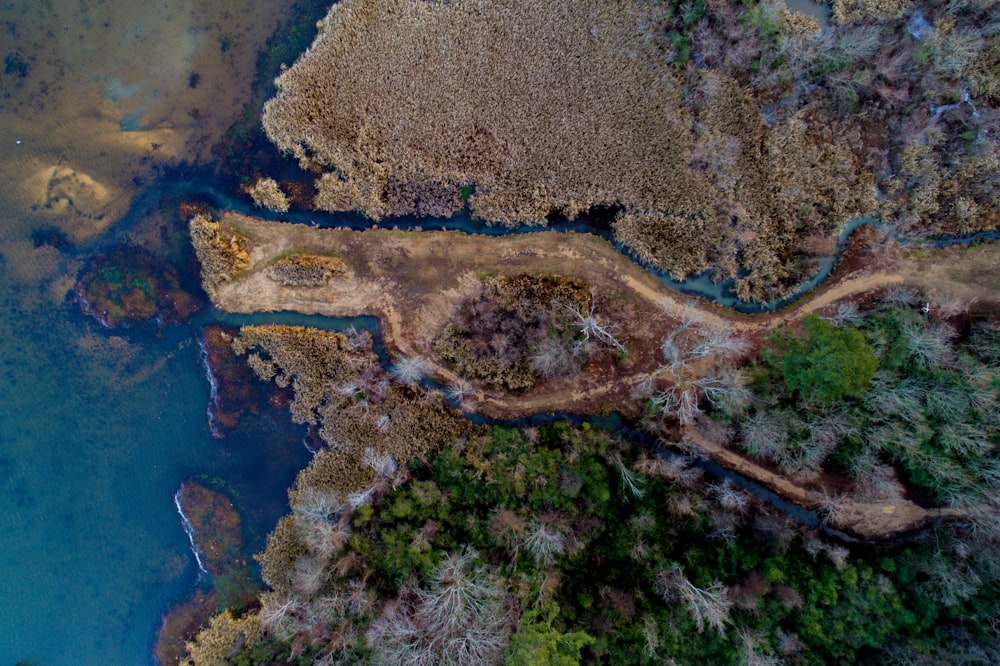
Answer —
456 620
631 483
593 327
726 390
846 314
383 464
692 340
708 606
751 650
729 496
930 345
678 401
308 575
315 505
552 358
677 468
459 391
765 435
411 369
545 538
833 507
279 613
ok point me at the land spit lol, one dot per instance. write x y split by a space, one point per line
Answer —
414 282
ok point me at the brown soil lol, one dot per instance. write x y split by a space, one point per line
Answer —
414 281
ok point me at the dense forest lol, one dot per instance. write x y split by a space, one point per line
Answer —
561 545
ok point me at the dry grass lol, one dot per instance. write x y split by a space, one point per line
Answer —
548 106
543 105
221 257
305 270
266 193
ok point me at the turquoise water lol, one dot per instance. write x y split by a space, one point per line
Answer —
98 429
94 441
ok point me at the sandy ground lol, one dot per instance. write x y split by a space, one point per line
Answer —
414 281
97 95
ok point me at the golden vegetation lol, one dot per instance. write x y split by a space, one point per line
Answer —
550 106
221 258
845 11
556 107
305 270
307 359
222 639
797 24
266 193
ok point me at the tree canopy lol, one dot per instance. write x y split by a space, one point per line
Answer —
823 363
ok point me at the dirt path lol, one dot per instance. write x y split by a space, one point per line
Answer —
414 281
870 520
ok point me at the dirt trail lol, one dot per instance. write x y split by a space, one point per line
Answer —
870 520
414 281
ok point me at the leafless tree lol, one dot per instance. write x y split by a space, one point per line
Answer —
552 358
765 435
729 496
459 391
315 505
726 389
411 369
594 327
679 401
545 538
383 464
359 498
279 613
692 341
876 481
930 345
833 507
752 656
846 314
308 575
456 620
631 483
676 468
708 606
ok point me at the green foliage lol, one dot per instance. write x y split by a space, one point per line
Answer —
824 363
605 592
538 643
929 409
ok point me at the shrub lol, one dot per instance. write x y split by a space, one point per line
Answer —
824 363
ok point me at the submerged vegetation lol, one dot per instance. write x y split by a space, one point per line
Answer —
129 286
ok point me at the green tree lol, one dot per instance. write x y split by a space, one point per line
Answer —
538 643
823 363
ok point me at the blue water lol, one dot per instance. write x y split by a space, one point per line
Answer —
92 449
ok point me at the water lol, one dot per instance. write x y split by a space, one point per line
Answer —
95 440
97 431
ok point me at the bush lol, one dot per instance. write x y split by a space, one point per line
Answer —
824 363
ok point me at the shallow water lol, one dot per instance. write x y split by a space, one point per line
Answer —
95 437
98 430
